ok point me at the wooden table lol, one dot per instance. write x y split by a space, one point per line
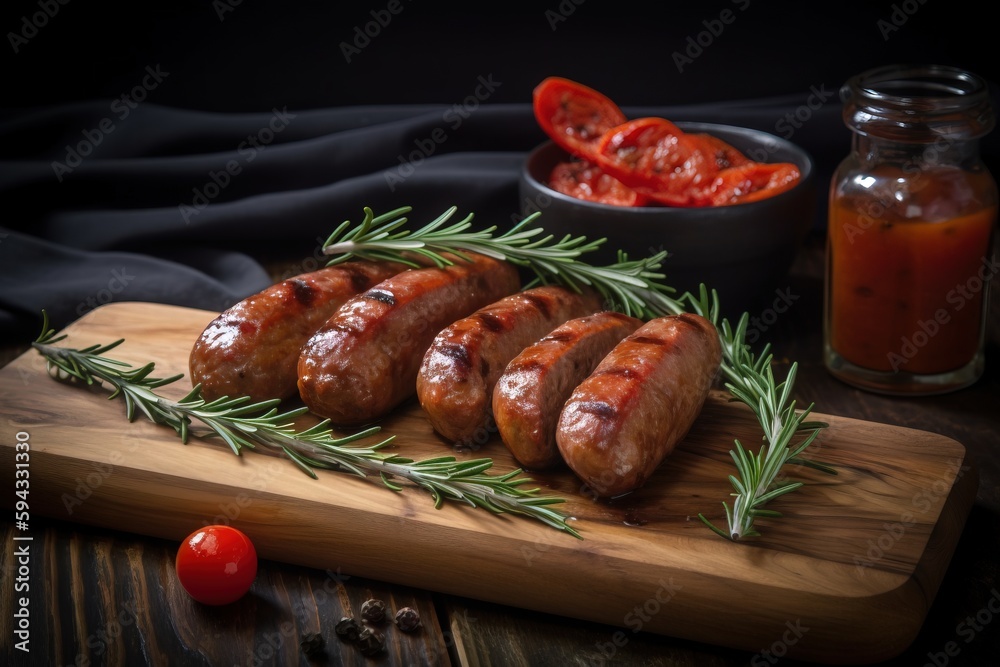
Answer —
103 597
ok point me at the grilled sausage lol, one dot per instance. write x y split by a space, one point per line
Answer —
535 385
463 364
629 414
363 362
252 349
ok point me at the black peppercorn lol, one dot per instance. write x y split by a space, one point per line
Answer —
371 641
312 644
373 611
407 619
348 629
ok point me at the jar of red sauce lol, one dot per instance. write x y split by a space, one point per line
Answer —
912 214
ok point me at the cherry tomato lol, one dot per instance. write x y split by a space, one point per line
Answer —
216 564
654 157
573 115
585 180
751 182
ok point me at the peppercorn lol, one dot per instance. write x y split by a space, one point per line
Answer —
407 619
373 611
348 629
312 644
371 641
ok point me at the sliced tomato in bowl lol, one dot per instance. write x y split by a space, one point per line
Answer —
723 154
657 159
751 182
573 115
583 179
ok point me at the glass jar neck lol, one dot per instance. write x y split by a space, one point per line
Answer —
934 108
943 151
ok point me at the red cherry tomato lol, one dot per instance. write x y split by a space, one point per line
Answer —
751 182
216 564
574 116
654 157
585 180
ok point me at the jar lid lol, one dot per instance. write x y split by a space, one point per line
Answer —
918 103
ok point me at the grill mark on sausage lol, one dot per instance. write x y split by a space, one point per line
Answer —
561 337
541 304
647 340
599 409
302 291
380 295
491 321
458 352
360 279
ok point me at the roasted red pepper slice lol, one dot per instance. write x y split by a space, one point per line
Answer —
573 115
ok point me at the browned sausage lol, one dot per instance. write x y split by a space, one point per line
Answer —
641 400
463 364
536 384
252 349
363 362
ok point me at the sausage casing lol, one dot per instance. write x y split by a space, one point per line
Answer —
463 364
252 348
536 384
363 361
629 414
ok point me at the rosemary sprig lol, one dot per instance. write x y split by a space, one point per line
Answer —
750 380
242 424
635 288
631 285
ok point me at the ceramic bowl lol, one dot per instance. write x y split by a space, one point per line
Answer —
743 251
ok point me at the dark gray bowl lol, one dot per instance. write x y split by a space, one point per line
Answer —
743 251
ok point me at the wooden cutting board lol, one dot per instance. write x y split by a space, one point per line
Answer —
846 577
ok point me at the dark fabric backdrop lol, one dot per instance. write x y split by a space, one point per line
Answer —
169 155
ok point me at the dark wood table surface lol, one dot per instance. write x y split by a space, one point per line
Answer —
100 597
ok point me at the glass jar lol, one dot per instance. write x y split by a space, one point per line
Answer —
912 213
